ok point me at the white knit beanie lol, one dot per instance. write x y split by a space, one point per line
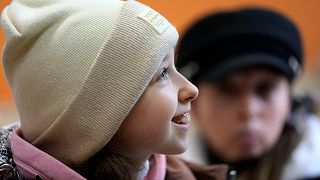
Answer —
77 67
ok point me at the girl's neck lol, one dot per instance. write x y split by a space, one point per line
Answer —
144 162
138 159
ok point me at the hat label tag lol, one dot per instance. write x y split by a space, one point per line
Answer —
156 20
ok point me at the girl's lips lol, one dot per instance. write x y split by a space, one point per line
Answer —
182 119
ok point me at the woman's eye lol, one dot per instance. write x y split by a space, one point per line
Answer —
229 90
265 89
164 74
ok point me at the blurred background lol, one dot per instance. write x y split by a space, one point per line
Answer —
183 13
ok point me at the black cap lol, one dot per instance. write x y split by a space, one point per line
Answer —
225 42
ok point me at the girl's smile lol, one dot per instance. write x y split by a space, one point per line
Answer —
182 121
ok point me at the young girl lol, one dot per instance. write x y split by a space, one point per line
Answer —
96 90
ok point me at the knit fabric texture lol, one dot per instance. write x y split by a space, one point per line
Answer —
77 67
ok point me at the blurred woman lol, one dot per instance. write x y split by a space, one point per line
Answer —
244 64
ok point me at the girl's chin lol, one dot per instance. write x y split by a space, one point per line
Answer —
177 148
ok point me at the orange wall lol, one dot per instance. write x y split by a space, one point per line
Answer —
304 13
5 96
181 14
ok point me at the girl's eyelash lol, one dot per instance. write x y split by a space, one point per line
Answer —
164 74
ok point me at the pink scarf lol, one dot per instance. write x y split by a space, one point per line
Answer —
158 169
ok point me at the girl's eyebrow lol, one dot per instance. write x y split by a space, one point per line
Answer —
165 59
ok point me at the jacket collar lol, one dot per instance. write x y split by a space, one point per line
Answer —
33 163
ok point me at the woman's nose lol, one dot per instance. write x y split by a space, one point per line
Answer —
249 105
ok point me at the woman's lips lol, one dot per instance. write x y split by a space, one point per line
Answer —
247 137
182 119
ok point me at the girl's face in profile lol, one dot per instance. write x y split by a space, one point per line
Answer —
160 120
243 115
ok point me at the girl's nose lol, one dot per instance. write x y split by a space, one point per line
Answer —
188 92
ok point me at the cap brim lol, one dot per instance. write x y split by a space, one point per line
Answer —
245 61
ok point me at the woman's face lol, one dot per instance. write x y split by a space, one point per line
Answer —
159 121
243 115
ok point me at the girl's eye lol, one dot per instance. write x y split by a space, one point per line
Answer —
164 74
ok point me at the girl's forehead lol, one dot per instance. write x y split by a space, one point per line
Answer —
170 55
